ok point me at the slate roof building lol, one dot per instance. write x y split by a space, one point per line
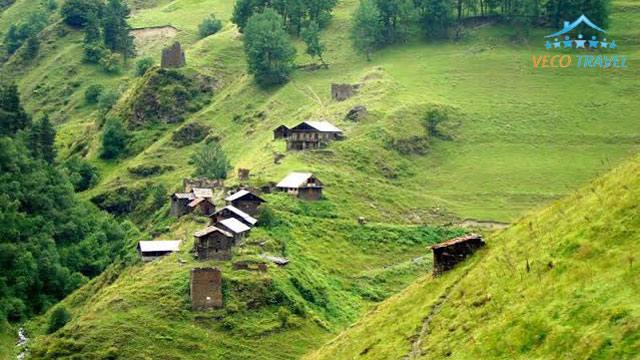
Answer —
151 250
311 135
301 184
212 243
246 201
447 254
231 211
198 199
234 226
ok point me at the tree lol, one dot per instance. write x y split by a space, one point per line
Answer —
47 140
77 12
311 37
107 99
12 40
366 29
242 11
12 115
58 318
116 30
209 26
211 162
397 18
435 17
32 47
270 53
114 139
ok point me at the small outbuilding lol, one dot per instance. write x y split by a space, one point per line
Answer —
180 203
312 135
281 132
301 184
202 206
246 201
213 243
199 200
234 226
151 250
447 254
231 211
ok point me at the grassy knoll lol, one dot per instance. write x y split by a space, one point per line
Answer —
337 270
560 283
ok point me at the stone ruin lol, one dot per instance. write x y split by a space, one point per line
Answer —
449 253
341 92
206 288
189 184
243 174
357 113
173 56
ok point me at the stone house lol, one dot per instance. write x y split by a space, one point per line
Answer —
281 132
447 254
173 56
151 250
213 243
312 135
246 201
304 185
231 211
199 200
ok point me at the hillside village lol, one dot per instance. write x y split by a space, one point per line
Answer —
207 179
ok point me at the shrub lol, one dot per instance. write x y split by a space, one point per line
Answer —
94 52
190 134
211 162
143 65
114 139
107 99
111 63
59 318
92 94
209 26
82 174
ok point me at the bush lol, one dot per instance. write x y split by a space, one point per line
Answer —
94 52
59 318
211 162
77 12
82 174
114 139
190 134
92 94
107 99
209 26
143 65
111 63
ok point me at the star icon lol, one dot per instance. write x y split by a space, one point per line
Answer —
613 44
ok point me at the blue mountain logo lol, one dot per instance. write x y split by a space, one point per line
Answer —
562 39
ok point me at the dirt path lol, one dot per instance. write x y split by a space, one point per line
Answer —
483 224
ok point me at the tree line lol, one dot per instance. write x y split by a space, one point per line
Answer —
50 242
377 23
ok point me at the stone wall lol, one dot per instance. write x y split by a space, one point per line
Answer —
341 92
206 288
173 56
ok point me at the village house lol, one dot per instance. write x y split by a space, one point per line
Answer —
311 135
231 211
213 243
197 200
301 184
447 254
234 226
245 201
151 250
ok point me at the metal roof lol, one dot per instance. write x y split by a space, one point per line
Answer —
275 259
294 180
235 225
457 240
202 193
210 229
188 196
248 218
323 126
240 194
159 245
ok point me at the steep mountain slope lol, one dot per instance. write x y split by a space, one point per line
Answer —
520 136
560 283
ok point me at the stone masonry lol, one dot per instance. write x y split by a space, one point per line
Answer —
206 288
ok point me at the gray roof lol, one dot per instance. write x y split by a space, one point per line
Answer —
211 229
239 194
236 226
275 259
294 180
202 193
323 126
159 245
188 196
248 218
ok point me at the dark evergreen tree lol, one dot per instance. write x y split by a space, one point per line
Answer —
58 318
270 52
116 30
366 31
12 115
435 17
32 47
47 140
77 12
12 40
114 139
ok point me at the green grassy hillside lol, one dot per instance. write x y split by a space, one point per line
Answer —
521 137
337 270
561 283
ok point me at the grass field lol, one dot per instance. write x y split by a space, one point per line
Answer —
559 284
